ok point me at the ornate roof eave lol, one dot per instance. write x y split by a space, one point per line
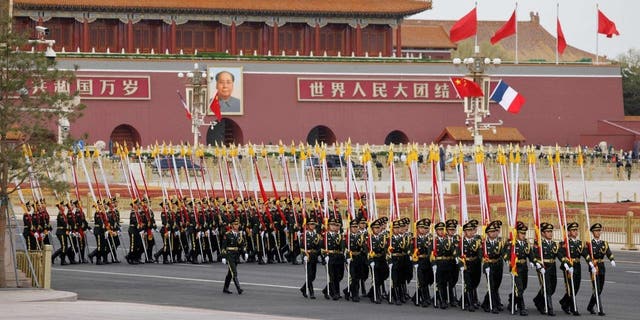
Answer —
395 15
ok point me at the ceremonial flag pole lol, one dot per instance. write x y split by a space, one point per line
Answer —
594 266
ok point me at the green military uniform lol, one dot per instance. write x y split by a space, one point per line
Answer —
378 247
547 272
600 249
423 246
233 245
334 260
523 253
311 245
493 264
471 256
356 252
443 253
571 267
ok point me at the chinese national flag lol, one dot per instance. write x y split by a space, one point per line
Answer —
215 107
562 42
466 88
506 30
465 27
606 26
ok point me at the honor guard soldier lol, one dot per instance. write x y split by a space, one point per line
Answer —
397 251
571 266
363 228
443 252
29 230
99 228
548 270
114 221
62 233
378 248
423 246
81 227
233 246
363 214
471 256
406 267
523 255
73 234
452 228
166 231
356 252
494 250
136 230
600 249
334 259
311 245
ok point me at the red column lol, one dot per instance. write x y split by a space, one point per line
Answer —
358 40
234 48
398 41
129 47
172 37
316 47
276 44
85 36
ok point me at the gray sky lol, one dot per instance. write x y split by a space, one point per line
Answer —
578 19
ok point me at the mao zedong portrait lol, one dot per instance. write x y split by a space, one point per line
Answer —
224 85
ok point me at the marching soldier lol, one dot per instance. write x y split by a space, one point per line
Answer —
166 231
62 233
571 266
472 259
149 224
378 248
233 246
113 215
443 252
452 228
600 249
311 245
524 254
548 270
73 234
424 241
356 260
135 235
81 227
493 267
334 259
99 229
364 230
397 251
29 231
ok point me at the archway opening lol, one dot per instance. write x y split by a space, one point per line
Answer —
396 137
226 132
122 134
321 134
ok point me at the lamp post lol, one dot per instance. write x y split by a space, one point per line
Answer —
196 81
477 108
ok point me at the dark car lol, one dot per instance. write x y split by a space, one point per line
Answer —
166 164
333 164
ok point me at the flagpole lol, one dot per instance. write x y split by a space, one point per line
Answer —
597 54
557 41
516 14
476 49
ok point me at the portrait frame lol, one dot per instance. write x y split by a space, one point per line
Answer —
238 88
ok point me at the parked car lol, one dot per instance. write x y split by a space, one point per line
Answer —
333 164
166 164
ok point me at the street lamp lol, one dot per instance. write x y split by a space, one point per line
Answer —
196 81
477 108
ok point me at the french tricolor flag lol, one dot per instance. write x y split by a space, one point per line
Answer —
508 98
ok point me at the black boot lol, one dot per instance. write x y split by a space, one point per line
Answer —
156 257
303 289
237 283
345 291
227 281
355 291
521 307
550 307
325 292
362 287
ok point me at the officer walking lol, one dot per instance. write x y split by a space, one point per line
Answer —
233 246
600 249
311 249
548 270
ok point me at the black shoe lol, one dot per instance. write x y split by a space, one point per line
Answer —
566 309
590 309
240 291
346 293
601 313
304 292
226 291
312 297
551 313
355 299
575 313
524 312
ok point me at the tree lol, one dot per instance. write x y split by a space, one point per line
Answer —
29 110
630 64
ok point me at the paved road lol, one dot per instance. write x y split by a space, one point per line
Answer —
273 290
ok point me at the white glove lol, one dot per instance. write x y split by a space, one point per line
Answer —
462 269
141 233
593 269
434 268
224 261
305 258
106 234
538 266
286 229
591 264
326 259
613 263
542 270
566 266
348 260
487 270
208 232
177 233
530 264
246 256
570 270
119 233
372 264
457 260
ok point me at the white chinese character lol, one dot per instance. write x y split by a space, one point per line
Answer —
379 90
39 87
400 90
107 85
421 90
317 89
442 90
85 86
358 90
337 88
129 86
61 86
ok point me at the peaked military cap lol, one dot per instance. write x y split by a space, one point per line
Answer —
520 226
424 223
439 225
311 220
572 226
378 222
354 222
596 227
334 220
546 227
492 226
452 224
469 226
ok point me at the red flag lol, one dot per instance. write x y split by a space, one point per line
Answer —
184 105
506 30
562 42
466 88
465 27
215 107
606 26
